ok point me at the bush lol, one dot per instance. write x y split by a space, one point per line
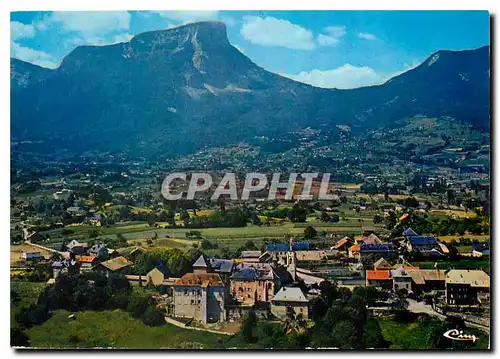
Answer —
153 317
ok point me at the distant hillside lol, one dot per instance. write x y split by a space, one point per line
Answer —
178 90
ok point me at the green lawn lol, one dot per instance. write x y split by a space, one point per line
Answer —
115 329
28 294
414 335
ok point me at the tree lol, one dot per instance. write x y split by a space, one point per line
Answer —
310 232
325 217
248 326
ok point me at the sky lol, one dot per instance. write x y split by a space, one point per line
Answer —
331 49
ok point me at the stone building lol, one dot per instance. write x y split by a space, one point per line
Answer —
200 296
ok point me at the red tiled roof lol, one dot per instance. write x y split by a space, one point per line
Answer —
199 279
85 259
378 275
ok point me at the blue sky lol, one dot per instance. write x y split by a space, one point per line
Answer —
342 49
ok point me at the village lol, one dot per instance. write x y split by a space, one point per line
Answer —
278 283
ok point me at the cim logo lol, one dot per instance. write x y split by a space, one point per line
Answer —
455 334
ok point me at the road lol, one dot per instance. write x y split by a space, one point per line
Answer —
421 307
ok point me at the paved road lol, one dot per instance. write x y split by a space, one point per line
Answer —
421 307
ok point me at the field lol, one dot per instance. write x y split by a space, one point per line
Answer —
15 253
115 329
479 237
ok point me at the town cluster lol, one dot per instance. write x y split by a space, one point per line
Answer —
285 278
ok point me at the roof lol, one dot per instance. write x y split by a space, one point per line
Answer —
344 241
409 232
250 254
202 261
250 274
443 248
116 263
199 279
378 275
420 276
96 248
472 277
302 245
354 248
480 246
376 247
277 247
221 265
75 243
316 255
419 240
371 239
283 247
164 270
400 272
290 294
381 263
86 259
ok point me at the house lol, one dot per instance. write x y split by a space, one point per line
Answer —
354 251
381 264
409 232
34 237
379 278
427 280
464 285
158 274
95 221
224 267
76 247
372 252
419 243
290 299
249 285
480 249
401 279
115 265
200 296
370 239
99 249
343 244
87 262
31 256
75 211
68 266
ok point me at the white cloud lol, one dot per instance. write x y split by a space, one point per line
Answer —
89 24
332 36
188 16
18 30
325 40
270 31
366 36
29 55
343 77
336 31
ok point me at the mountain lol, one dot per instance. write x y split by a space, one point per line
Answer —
178 90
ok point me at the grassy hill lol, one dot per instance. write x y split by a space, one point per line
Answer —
115 329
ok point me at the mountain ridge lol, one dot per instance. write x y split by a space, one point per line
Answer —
177 90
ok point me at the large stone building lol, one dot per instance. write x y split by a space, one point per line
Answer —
464 285
249 285
200 296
